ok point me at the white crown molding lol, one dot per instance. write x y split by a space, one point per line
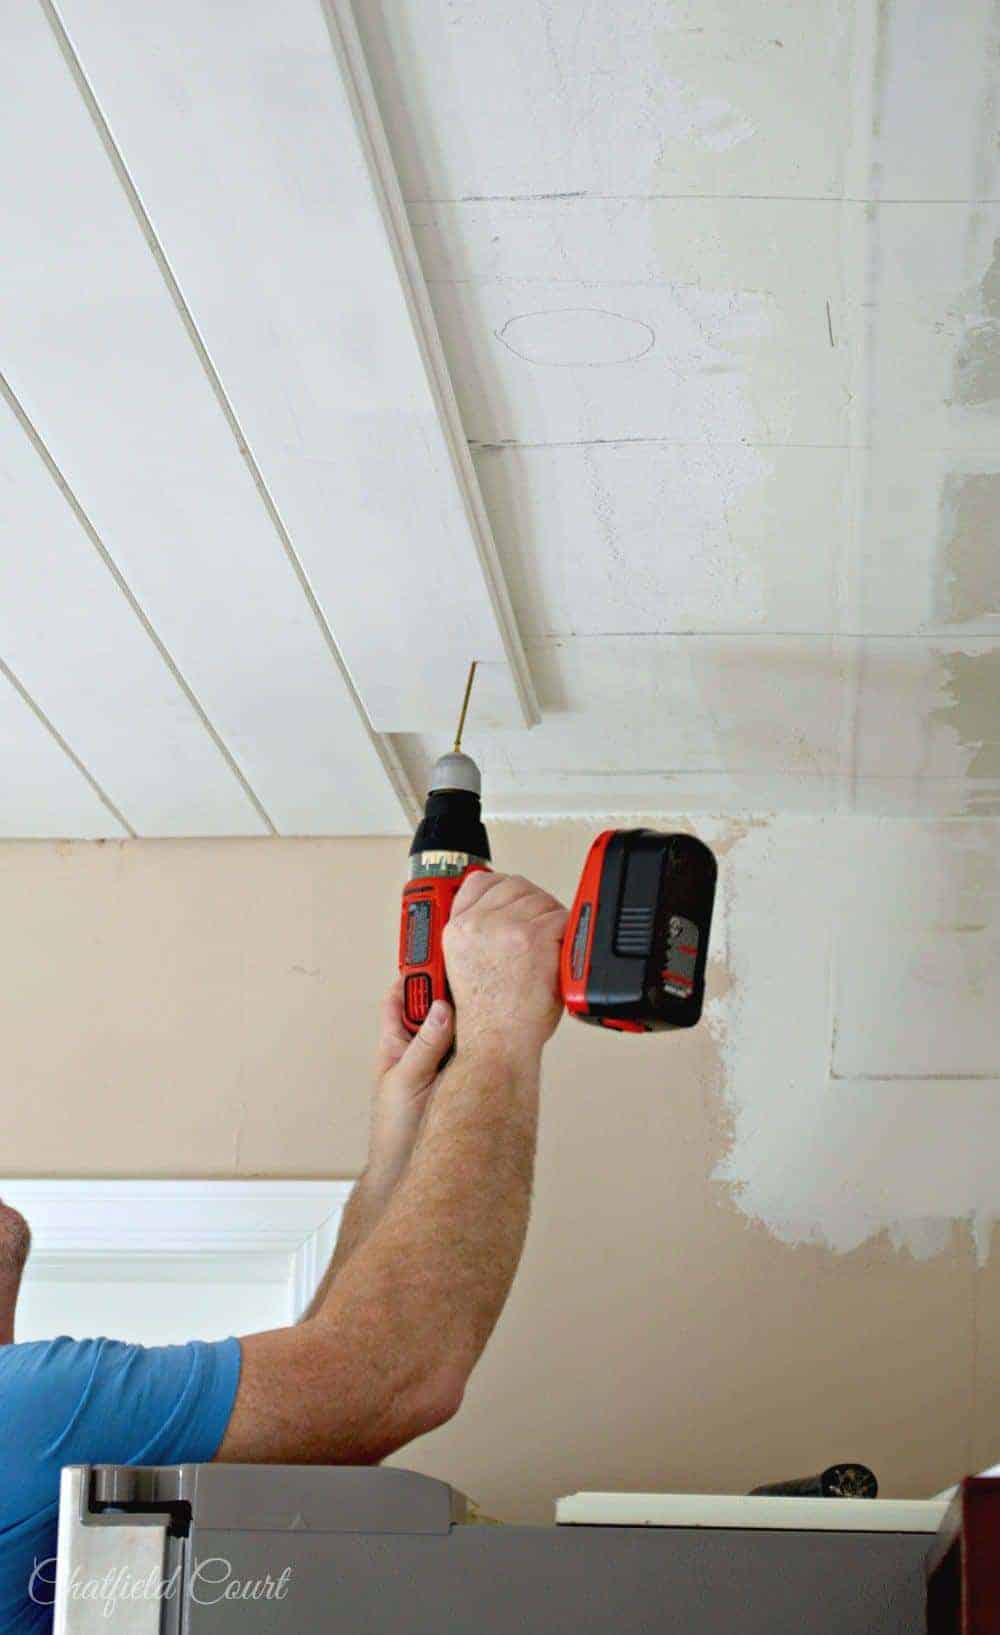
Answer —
168 1222
349 51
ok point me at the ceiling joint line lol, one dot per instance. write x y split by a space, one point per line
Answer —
931 637
681 198
54 470
391 764
67 749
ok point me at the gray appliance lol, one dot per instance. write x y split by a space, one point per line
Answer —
303 1550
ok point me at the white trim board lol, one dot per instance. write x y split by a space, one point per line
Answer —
165 1223
750 1510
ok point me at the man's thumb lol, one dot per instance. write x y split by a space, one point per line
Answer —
426 1048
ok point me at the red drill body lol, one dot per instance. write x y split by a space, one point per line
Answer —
450 843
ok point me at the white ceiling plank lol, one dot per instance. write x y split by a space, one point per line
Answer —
69 633
255 143
106 373
45 794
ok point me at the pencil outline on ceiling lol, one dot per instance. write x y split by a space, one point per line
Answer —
384 749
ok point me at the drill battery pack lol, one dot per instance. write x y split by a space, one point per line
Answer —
636 944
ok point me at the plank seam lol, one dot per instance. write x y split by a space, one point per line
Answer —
55 472
66 747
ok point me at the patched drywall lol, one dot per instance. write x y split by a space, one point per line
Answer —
977 361
970 536
971 685
865 1091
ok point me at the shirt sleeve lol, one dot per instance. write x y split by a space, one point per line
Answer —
76 1402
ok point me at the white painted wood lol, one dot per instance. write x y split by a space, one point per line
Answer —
76 644
161 1302
162 1261
745 1510
99 357
254 139
43 793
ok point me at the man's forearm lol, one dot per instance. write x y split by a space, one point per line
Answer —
436 1269
364 1209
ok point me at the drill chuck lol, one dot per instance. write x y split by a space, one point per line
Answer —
450 837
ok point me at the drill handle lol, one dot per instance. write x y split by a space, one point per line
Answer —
426 910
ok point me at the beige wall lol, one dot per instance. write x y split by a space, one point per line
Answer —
208 1008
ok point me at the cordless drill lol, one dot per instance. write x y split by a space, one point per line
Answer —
636 942
450 843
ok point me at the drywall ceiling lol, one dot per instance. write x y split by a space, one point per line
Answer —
702 407
719 284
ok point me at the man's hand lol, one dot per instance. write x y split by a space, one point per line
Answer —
501 949
405 1072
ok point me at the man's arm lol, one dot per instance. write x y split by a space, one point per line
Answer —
388 1353
405 1072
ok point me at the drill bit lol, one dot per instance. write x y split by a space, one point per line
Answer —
465 707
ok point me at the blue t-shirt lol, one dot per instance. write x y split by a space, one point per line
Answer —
81 1402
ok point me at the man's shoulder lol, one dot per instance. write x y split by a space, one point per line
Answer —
22 1363
34 1403
100 1401
27 1354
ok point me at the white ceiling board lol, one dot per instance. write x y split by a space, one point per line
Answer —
642 97
607 538
101 362
44 795
77 646
239 132
689 319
